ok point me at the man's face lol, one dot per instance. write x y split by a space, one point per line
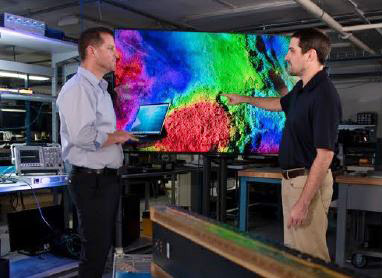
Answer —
295 58
106 54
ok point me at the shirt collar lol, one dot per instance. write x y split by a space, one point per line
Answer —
316 79
92 78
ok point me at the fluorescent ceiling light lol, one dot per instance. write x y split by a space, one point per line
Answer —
23 76
12 110
243 10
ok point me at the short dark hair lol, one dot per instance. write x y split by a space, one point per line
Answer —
91 36
314 39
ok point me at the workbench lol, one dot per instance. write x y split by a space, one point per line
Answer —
355 192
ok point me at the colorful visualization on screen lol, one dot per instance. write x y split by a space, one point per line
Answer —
191 71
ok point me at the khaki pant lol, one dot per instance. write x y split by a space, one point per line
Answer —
310 238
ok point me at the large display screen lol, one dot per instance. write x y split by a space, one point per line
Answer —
191 71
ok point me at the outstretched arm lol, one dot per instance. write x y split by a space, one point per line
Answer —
268 103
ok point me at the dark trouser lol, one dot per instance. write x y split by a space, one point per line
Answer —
96 198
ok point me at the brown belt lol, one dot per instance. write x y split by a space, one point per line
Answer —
294 173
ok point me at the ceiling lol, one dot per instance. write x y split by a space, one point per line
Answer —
259 16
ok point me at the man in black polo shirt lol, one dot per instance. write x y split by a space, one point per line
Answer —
313 112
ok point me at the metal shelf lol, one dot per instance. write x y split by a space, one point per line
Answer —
60 51
32 97
35 42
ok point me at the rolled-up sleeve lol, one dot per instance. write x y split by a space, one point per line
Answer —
78 109
100 139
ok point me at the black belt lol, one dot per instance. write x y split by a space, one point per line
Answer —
294 173
104 171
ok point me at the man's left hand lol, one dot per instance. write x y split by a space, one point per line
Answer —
297 215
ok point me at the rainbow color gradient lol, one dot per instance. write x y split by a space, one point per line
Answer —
192 70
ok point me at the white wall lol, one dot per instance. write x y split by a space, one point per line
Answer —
361 97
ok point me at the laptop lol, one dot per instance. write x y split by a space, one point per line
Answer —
149 120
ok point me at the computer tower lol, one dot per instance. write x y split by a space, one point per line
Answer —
4 268
130 219
29 233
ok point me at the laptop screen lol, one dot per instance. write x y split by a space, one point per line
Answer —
150 119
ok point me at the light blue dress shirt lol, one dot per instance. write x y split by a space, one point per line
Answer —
87 116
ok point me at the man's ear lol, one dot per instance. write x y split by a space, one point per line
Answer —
91 50
312 55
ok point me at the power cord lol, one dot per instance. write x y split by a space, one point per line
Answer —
38 206
34 196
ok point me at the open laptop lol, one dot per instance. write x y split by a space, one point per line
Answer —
149 120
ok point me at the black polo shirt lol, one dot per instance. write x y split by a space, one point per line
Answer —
312 113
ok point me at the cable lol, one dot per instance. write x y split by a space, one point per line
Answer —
36 200
38 206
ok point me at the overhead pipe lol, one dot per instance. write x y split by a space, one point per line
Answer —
320 13
298 25
362 27
302 24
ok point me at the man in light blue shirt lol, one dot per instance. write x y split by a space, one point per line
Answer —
92 146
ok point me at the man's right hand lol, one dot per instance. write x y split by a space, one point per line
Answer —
268 103
119 137
234 99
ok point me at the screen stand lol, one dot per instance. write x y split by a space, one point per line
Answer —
221 187
221 190
206 185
